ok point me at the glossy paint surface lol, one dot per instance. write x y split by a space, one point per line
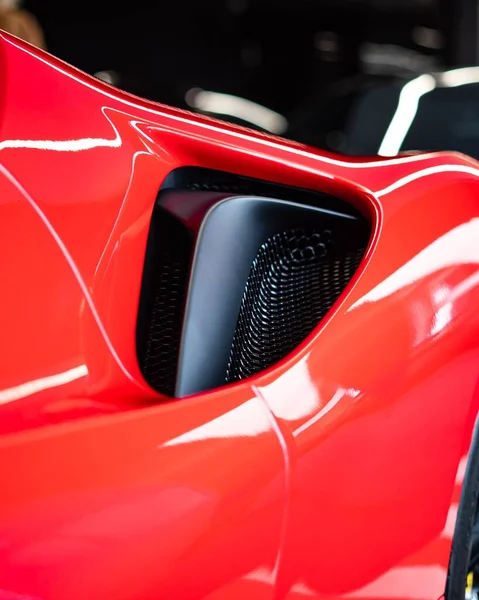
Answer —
335 474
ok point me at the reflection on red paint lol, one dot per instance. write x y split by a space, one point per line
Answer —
328 476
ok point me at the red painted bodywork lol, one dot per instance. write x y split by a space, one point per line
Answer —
335 474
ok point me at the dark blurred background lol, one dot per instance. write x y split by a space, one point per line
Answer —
304 59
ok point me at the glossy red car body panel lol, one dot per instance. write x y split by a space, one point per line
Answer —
335 474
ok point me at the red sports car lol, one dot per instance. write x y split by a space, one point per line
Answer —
232 366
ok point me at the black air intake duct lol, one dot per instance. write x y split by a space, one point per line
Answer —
233 283
294 280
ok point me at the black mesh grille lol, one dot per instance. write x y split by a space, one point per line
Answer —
159 348
297 275
206 180
294 280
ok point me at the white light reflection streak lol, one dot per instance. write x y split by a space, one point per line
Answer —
183 118
443 301
294 383
409 99
406 110
120 211
73 267
457 77
450 525
67 145
235 106
287 481
444 313
38 385
61 145
246 420
461 470
425 173
458 246
337 396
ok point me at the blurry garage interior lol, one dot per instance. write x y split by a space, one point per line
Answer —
312 70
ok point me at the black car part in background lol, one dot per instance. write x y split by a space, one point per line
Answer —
277 53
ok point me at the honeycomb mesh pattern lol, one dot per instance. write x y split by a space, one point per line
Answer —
294 280
165 312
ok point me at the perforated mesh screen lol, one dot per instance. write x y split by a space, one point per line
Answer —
294 280
159 349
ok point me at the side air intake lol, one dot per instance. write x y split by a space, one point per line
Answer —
233 283
163 301
294 280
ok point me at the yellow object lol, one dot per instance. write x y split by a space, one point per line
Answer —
469 584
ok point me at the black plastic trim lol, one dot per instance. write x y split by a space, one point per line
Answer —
200 180
226 226
228 242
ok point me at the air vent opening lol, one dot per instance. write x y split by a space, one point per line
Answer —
163 298
238 273
294 281
199 179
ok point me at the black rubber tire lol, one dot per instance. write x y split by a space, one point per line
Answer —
461 543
